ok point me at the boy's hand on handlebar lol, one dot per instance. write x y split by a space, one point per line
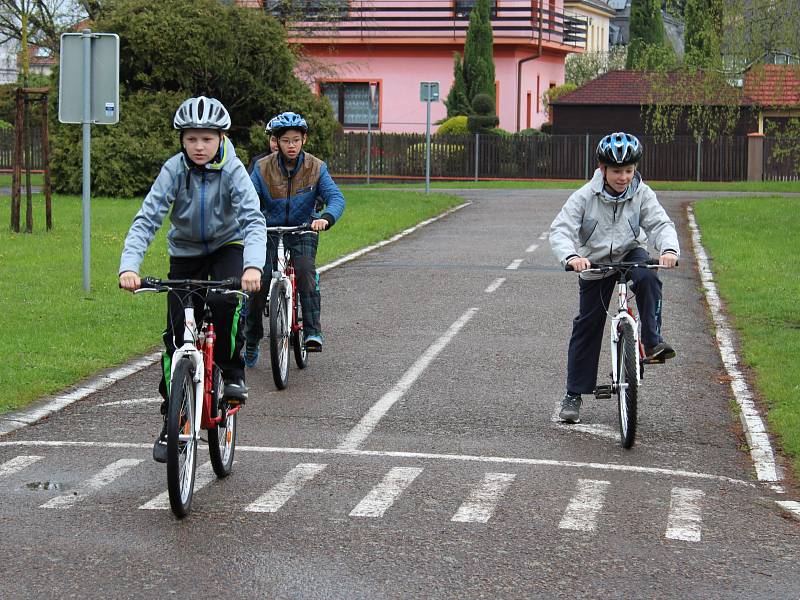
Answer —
579 263
319 224
251 280
668 260
128 280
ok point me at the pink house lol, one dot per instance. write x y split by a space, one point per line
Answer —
387 47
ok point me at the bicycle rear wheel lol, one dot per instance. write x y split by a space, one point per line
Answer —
279 330
627 384
222 438
181 439
298 344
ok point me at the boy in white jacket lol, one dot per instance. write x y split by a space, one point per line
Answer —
611 219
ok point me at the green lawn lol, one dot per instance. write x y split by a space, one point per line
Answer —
572 184
752 242
37 179
56 334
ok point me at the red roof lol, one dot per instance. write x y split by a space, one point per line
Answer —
642 87
773 85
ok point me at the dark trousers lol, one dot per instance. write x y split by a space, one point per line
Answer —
225 310
588 327
304 254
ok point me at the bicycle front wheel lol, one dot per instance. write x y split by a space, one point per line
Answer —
279 330
181 439
298 344
222 438
627 384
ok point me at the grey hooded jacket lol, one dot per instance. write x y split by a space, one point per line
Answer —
602 229
210 209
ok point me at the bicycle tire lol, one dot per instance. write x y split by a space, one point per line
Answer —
222 438
298 344
279 330
627 384
181 439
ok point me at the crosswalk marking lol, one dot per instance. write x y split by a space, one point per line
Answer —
684 522
585 505
531 248
202 477
386 492
17 464
482 501
295 479
514 264
493 287
108 475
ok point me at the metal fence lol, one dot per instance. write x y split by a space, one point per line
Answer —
401 156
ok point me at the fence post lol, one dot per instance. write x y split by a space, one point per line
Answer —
586 159
755 156
699 156
477 154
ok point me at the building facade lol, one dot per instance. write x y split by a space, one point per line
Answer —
369 58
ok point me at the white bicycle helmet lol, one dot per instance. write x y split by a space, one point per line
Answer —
619 149
202 113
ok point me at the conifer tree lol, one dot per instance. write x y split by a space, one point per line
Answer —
703 36
648 47
456 102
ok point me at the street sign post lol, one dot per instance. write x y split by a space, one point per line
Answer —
88 92
428 92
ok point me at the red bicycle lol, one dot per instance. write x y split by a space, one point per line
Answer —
196 390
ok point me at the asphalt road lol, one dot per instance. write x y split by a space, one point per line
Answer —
418 456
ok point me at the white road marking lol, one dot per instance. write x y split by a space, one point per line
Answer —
531 248
17 464
584 506
157 400
18 419
383 495
544 235
755 431
483 500
793 508
364 428
495 285
108 475
394 238
514 265
534 462
202 477
685 520
598 429
282 492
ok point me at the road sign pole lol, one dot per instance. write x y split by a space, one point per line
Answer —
428 148
87 156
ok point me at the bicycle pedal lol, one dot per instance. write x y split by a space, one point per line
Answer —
313 348
602 392
654 361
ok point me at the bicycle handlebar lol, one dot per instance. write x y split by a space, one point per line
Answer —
650 263
289 228
153 284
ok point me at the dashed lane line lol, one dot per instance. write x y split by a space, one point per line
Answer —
17 463
495 285
531 248
510 460
514 265
685 517
365 427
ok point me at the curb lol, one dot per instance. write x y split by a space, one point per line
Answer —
28 416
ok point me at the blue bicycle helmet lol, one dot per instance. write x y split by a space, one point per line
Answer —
619 149
287 120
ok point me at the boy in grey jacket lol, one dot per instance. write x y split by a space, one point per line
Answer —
217 232
611 219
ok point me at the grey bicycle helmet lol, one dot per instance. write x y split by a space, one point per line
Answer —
202 113
619 149
285 121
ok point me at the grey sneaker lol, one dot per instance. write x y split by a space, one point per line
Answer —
660 351
160 447
570 408
235 391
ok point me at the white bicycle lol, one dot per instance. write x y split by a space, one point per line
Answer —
627 352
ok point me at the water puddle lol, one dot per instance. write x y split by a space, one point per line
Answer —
45 485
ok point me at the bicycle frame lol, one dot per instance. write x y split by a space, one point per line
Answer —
624 313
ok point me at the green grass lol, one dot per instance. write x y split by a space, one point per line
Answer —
753 242
55 334
572 184
37 179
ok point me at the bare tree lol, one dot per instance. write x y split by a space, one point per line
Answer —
40 22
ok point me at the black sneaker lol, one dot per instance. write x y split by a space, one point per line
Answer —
570 408
160 447
660 352
235 391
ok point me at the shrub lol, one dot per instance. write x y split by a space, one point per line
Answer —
453 126
482 123
445 158
483 104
